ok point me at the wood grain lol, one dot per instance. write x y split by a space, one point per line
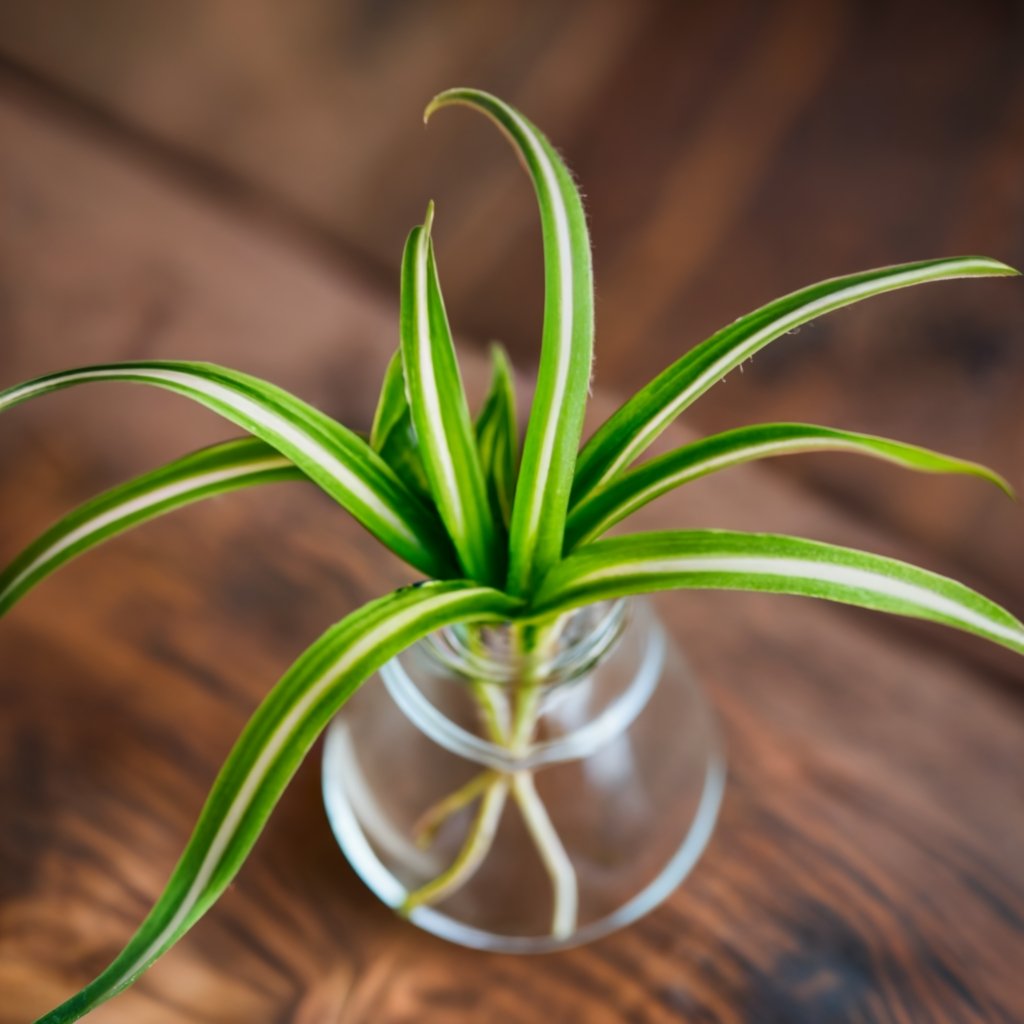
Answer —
868 862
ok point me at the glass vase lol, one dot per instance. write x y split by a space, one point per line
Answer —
526 788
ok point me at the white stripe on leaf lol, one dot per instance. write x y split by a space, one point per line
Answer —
129 509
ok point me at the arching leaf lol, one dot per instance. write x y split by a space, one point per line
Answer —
332 456
215 470
628 432
267 755
623 495
563 379
727 560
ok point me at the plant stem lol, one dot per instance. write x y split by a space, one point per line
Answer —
472 854
552 852
494 716
494 711
536 643
437 814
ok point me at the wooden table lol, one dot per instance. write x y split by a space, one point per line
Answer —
869 864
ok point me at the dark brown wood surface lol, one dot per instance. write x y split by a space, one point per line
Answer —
868 864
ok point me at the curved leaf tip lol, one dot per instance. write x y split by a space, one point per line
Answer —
633 427
442 99
996 267
555 424
771 563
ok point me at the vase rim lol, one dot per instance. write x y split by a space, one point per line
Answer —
613 719
573 643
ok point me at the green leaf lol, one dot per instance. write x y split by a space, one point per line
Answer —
339 461
440 413
623 495
632 428
392 406
393 435
214 470
401 452
269 752
563 379
497 435
724 560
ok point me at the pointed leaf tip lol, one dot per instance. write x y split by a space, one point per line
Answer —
1000 481
999 268
625 435
443 99
440 413
978 266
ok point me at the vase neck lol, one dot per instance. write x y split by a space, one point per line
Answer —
543 654
512 703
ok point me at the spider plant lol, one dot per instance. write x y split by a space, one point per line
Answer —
500 537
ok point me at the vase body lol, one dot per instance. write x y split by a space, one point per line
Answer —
576 784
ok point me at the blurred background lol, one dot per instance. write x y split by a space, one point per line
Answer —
233 180
729 152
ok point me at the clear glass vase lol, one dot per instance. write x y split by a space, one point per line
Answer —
527 788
